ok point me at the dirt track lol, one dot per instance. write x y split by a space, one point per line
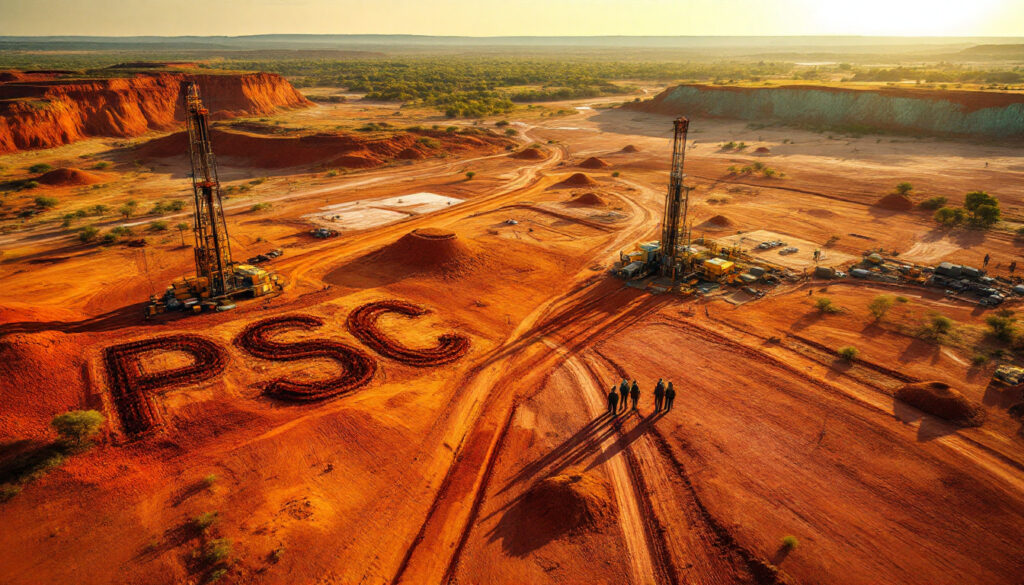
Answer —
416 470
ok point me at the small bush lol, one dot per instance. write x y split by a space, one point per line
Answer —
933 203
8 491
1002 325
276 554
210 480
470 175
979 359
848 353
332 173
260 206
205 520
824 305
217 550
510 132
158 226
26 185
880 305
616 173
100 165
790 542
902 299
904 188
88 233
40 168
46 202
217 575
77 427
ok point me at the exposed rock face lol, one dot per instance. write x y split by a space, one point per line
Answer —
43 113
938 112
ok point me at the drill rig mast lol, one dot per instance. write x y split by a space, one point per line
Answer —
218 279
212 248
673 225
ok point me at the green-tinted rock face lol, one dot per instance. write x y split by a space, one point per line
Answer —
991 114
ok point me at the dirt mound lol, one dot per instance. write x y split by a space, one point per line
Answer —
629 148
588 199
410 154
555 507
594 163
531 153
717 222
427 250
43 374
577 180
895 202
69 177
939 399
762 150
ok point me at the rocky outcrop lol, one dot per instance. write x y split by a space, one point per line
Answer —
904 110
43 113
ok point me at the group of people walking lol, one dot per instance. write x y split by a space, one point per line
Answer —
619 396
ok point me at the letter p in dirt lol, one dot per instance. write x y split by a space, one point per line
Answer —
132 387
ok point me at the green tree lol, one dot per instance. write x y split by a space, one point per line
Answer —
88 233
934 202
46 202
470 175
77 426
128 208
904 188
40 168
986 215
181 231
976 199
848 353
880 305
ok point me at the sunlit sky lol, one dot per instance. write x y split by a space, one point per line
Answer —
514 17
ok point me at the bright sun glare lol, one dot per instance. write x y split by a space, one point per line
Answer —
903 17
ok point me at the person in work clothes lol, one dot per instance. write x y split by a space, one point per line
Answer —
634 394
659 394
623 394
613 401
670 396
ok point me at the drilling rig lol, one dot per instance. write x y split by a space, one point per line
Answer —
666 257
673 226
218 279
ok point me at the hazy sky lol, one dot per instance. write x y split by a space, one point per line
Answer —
514 17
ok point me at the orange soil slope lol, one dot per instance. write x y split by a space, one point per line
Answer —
48 113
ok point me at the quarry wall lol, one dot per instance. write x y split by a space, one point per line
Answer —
932 112
53 112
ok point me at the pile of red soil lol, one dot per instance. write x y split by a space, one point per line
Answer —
531 153
44 375
578 180
629 148
69 177
717 222
564 504
427 250
410 154
588 199
762 150
939 399
895 202
594 163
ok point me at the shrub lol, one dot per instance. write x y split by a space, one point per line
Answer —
176 205
1002 325
217 575
276 554
77 427
98 209
904 188
824 305
880 305
8 491
46 202
848 353
40 168
902 299
88 233
100 165
26 185
510 132
979 359
935 326
158 226
260 206
205 520
128 208
217 550
500 123
616 173
470 175
210 479
790 542
950 216
332 173
934 202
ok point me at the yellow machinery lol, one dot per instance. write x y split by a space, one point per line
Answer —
218 279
